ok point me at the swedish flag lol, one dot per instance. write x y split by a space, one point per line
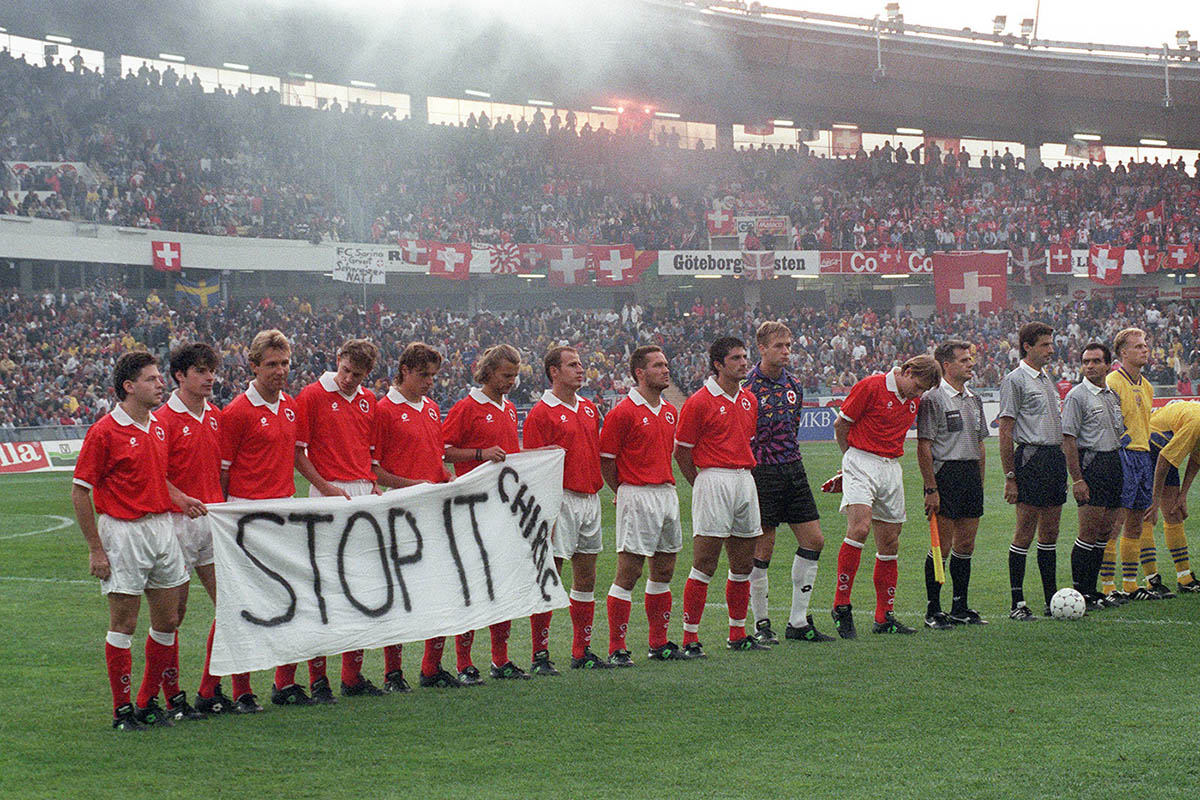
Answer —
202 292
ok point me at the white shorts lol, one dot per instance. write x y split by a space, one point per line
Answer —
195 539
648 519
578 526
875 481
142 553
725 503
352 488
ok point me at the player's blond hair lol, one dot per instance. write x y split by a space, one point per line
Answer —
1123 338
271 339
924 368
769 330
362 353
492 358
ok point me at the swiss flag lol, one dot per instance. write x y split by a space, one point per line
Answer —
1180 257
758 265
720 222
891 261
414 251
166 256
1153 214
1104 264
618 265
1152 258
533 256
450 261
568 264
970 281
1059 260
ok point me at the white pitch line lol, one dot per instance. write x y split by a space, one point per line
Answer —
62 522
22 579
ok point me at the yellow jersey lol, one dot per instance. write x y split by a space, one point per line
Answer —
1137 401
1175 431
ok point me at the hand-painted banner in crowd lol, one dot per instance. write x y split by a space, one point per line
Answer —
315 576
360 265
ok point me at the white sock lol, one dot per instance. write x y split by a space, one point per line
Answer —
165 639
804 577
121 640
758 591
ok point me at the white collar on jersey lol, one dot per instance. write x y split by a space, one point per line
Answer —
715 389
552 400
952 392
397 397
1030 371
889 381
121 417
478 396
256 399
177 405
329 383
1094 389
639 400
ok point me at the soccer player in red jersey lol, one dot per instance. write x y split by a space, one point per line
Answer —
408 451
335 434
635 459
194 467
563 418
258 453
482 427
122 467
870 429
712 446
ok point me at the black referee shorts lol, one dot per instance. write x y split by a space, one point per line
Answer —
784 494
960 490
1041 475
1103 476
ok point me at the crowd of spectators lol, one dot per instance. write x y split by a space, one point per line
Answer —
170 155
57 350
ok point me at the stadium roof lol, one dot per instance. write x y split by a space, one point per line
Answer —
720 62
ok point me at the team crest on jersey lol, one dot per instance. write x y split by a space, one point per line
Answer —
404 416
723 409
746 403
562 417
263 421
133 442
488 418
334 406
512 414
432 414
212 423
364 406
588 410
889 405
645 420
291 416
160 433
791 397
912 407
187 430
669 417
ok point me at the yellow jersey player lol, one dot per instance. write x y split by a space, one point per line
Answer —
1174 436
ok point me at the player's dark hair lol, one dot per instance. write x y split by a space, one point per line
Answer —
1030 333
721 348
193 354
948 350
362 353
641 357
1101 346
129 366
554 357
418 355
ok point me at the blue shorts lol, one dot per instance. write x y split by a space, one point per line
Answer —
1137 479
1172 472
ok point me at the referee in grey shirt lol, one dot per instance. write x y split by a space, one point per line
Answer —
1035 472
951 428
1092 429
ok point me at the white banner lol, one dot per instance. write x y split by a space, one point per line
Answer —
729 262
318 576
360 265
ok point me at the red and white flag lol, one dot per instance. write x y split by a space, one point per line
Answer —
1059 260
619 265
450 261
1153 214
533 257
1180 257
758 265
1104 264
720 222
1152 258
891 261
970 281
505 258
166 256
414 251
568 264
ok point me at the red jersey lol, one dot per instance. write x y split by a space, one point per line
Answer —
125 466
879 417
574 429
408 438
338 430
718 427
258 446
193 449
640 437
478 422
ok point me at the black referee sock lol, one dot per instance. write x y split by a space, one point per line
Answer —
1047 561
960 579
1093 574
1081 562
1016 573
933 589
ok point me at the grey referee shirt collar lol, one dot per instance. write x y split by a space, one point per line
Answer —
1096 390
1033 373
951 392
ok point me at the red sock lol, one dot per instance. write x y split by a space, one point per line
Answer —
583 613
886 573
392 659
618 621
120 665
208 681
158 656
695 595
431 663
539 630
847 566
499 634
285 676
170 676
462 649
241 684
658 616
352 667
316 669
737 600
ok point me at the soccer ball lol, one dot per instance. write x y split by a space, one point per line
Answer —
1067 604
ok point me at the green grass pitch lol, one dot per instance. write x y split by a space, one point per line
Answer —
1102 707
